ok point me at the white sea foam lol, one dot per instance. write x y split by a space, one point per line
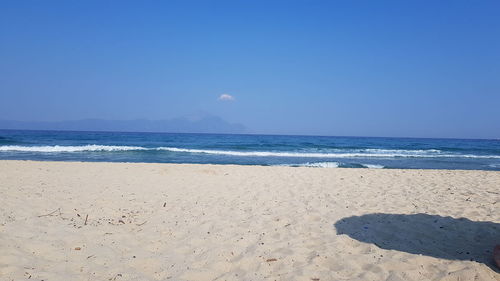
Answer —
386 153
367 153
373 166
322 164
251 153
59 148
314 164
405 151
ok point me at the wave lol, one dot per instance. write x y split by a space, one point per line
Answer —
375 153
365 153
321 164
373 166
58 148
313 164
407 151
334 165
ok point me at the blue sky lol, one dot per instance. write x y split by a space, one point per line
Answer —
369 68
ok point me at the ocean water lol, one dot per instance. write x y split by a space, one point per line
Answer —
310 151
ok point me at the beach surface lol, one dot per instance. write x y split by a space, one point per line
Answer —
133 221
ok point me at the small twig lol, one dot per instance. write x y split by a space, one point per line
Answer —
86 217
50 214
142 223
116 276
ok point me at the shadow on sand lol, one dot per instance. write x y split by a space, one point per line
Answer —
430 235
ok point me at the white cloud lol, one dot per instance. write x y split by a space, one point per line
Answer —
226 97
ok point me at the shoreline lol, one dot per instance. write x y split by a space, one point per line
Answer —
243 165
156 221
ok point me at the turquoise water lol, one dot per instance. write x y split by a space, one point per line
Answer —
313 151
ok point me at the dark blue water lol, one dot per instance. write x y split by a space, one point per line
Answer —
314 151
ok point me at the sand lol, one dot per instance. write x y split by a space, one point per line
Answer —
124 221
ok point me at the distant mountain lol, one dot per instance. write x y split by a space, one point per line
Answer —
187 124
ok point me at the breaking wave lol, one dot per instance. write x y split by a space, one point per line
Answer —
334 165
366 153
373 166
60 148
359 153
318 164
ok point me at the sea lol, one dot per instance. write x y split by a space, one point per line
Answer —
265 150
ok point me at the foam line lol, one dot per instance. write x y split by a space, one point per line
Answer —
58 148
362 153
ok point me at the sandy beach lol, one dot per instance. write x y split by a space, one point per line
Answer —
124 221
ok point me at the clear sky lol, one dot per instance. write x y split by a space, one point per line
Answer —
368 68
